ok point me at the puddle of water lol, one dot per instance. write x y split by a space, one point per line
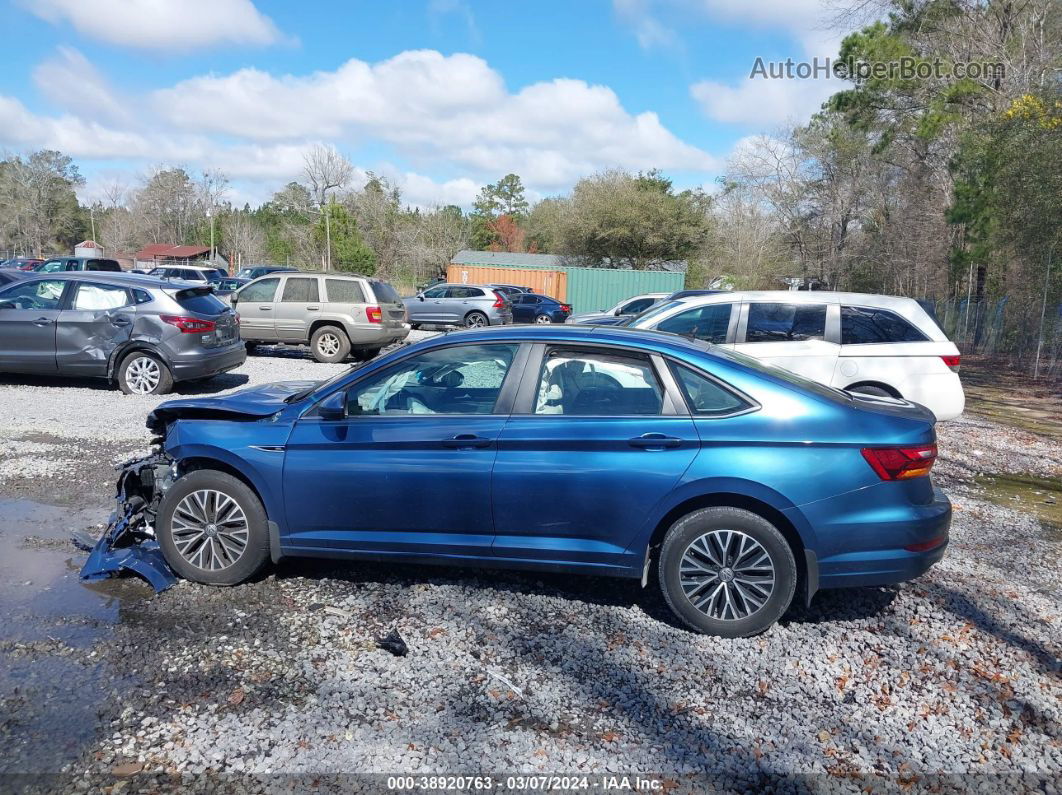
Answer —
1039 496
51 688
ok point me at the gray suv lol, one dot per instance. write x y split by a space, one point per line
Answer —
470 305
338 315
139 331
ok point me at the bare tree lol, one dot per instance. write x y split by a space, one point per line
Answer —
326 170
244 238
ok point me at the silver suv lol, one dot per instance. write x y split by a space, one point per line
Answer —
469 305
143 332
337 315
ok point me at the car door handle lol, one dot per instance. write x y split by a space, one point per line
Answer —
43 321
120 320
312 308
653 441
266 308
466 440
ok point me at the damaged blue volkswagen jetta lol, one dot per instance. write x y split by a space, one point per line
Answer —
586 449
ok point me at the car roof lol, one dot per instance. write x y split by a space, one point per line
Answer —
572 333
801 297
190 267
123 279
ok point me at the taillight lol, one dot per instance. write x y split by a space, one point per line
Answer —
189 325
953 362
901 463
374 314
499 302
566 308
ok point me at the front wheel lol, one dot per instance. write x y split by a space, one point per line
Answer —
727 571
212 528
142 373
476 320
329 344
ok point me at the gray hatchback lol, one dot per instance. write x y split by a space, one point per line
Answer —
141 332
468 305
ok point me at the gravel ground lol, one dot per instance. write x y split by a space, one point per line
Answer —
950 682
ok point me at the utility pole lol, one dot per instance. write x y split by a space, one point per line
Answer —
92 220
328 237
210 215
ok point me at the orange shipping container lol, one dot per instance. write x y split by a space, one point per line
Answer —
544 282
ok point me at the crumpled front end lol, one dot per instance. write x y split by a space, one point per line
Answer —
128 544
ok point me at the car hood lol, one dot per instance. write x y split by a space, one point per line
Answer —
251 403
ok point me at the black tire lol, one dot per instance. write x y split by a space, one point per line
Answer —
476 320
543 319
414 326
696 527
242 567
366 354
143 373
330 344
252 348
867 389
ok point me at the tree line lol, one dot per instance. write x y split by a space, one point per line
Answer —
931 187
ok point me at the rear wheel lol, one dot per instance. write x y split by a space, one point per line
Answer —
329 344
212 528
543 319
868 389
251 347
142 373
727 571
476 320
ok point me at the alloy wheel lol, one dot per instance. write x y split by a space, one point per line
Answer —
727 575
143 375
475 320
209 530
328 344
543 319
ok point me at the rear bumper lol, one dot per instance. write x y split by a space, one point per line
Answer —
208 362
876 536
377 336
941 393
500 318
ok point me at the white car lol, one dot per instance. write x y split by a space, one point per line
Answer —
875 344
628 307
191 273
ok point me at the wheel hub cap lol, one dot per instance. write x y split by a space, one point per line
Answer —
209 530
143 375
727 575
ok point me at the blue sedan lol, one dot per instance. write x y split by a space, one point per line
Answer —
576 449
535 308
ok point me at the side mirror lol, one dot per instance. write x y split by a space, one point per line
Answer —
333 407
234 298
420 296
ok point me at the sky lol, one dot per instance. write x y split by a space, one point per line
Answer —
439 96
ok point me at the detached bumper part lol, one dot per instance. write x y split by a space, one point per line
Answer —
126 544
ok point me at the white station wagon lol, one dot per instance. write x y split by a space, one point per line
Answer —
874 344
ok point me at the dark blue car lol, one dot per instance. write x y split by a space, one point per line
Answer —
535 308
565 448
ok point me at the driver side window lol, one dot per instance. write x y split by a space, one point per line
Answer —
436 292
460 379
35 295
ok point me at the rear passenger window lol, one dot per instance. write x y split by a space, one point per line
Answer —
786 322
862 325
703 395
600 384
465 292
708 323
102 265
301 290
385 293
344 291
96 297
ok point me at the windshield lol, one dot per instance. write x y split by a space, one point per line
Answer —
635 321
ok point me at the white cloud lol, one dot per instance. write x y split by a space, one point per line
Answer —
649 30
430 106
167 24
764 102
75 85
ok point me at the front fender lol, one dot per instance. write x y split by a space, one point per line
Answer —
262 468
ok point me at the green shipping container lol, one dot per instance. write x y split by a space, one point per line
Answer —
591 289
